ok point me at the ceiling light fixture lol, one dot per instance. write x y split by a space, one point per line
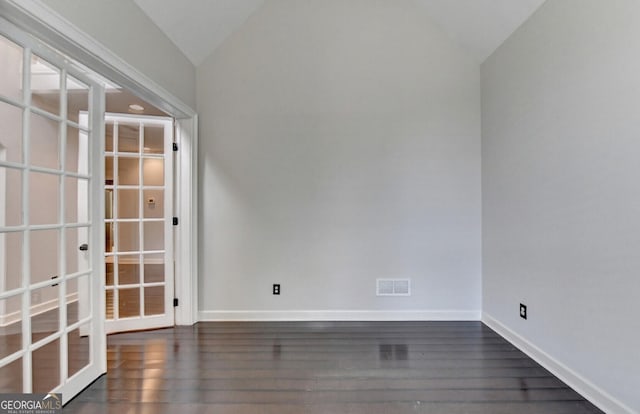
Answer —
136 108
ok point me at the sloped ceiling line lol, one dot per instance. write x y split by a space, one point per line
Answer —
198 27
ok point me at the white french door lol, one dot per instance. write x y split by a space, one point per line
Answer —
51 326
139 267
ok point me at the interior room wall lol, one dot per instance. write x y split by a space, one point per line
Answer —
339 143
122 27
560 147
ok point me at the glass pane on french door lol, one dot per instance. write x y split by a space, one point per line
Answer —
138 223
51 336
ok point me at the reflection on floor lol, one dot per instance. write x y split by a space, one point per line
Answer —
46 359
324 367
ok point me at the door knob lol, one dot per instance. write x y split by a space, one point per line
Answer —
84 247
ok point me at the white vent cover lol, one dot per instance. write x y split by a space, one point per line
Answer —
393 287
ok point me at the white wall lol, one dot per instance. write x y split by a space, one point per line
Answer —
340 143
122 27
561 228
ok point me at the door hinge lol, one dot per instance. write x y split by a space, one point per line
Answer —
175 146
175 221
175 302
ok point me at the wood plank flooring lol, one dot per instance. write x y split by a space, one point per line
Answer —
324 367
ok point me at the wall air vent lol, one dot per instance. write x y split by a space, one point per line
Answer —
393 287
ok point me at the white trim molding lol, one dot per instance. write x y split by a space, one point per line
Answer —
338 315
584 387
186 209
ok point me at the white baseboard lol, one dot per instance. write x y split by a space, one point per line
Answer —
13 317
584 387
338 315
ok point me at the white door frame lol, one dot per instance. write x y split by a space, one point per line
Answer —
186 209
38 19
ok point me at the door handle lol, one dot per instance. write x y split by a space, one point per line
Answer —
84 247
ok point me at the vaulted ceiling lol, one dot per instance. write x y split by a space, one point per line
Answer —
198 27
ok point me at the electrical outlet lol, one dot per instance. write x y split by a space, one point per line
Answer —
276 289
523 311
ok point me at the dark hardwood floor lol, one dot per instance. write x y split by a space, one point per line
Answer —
324 367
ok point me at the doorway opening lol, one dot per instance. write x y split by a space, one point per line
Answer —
138 209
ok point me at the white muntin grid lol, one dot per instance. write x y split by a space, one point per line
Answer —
118 254
87 137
